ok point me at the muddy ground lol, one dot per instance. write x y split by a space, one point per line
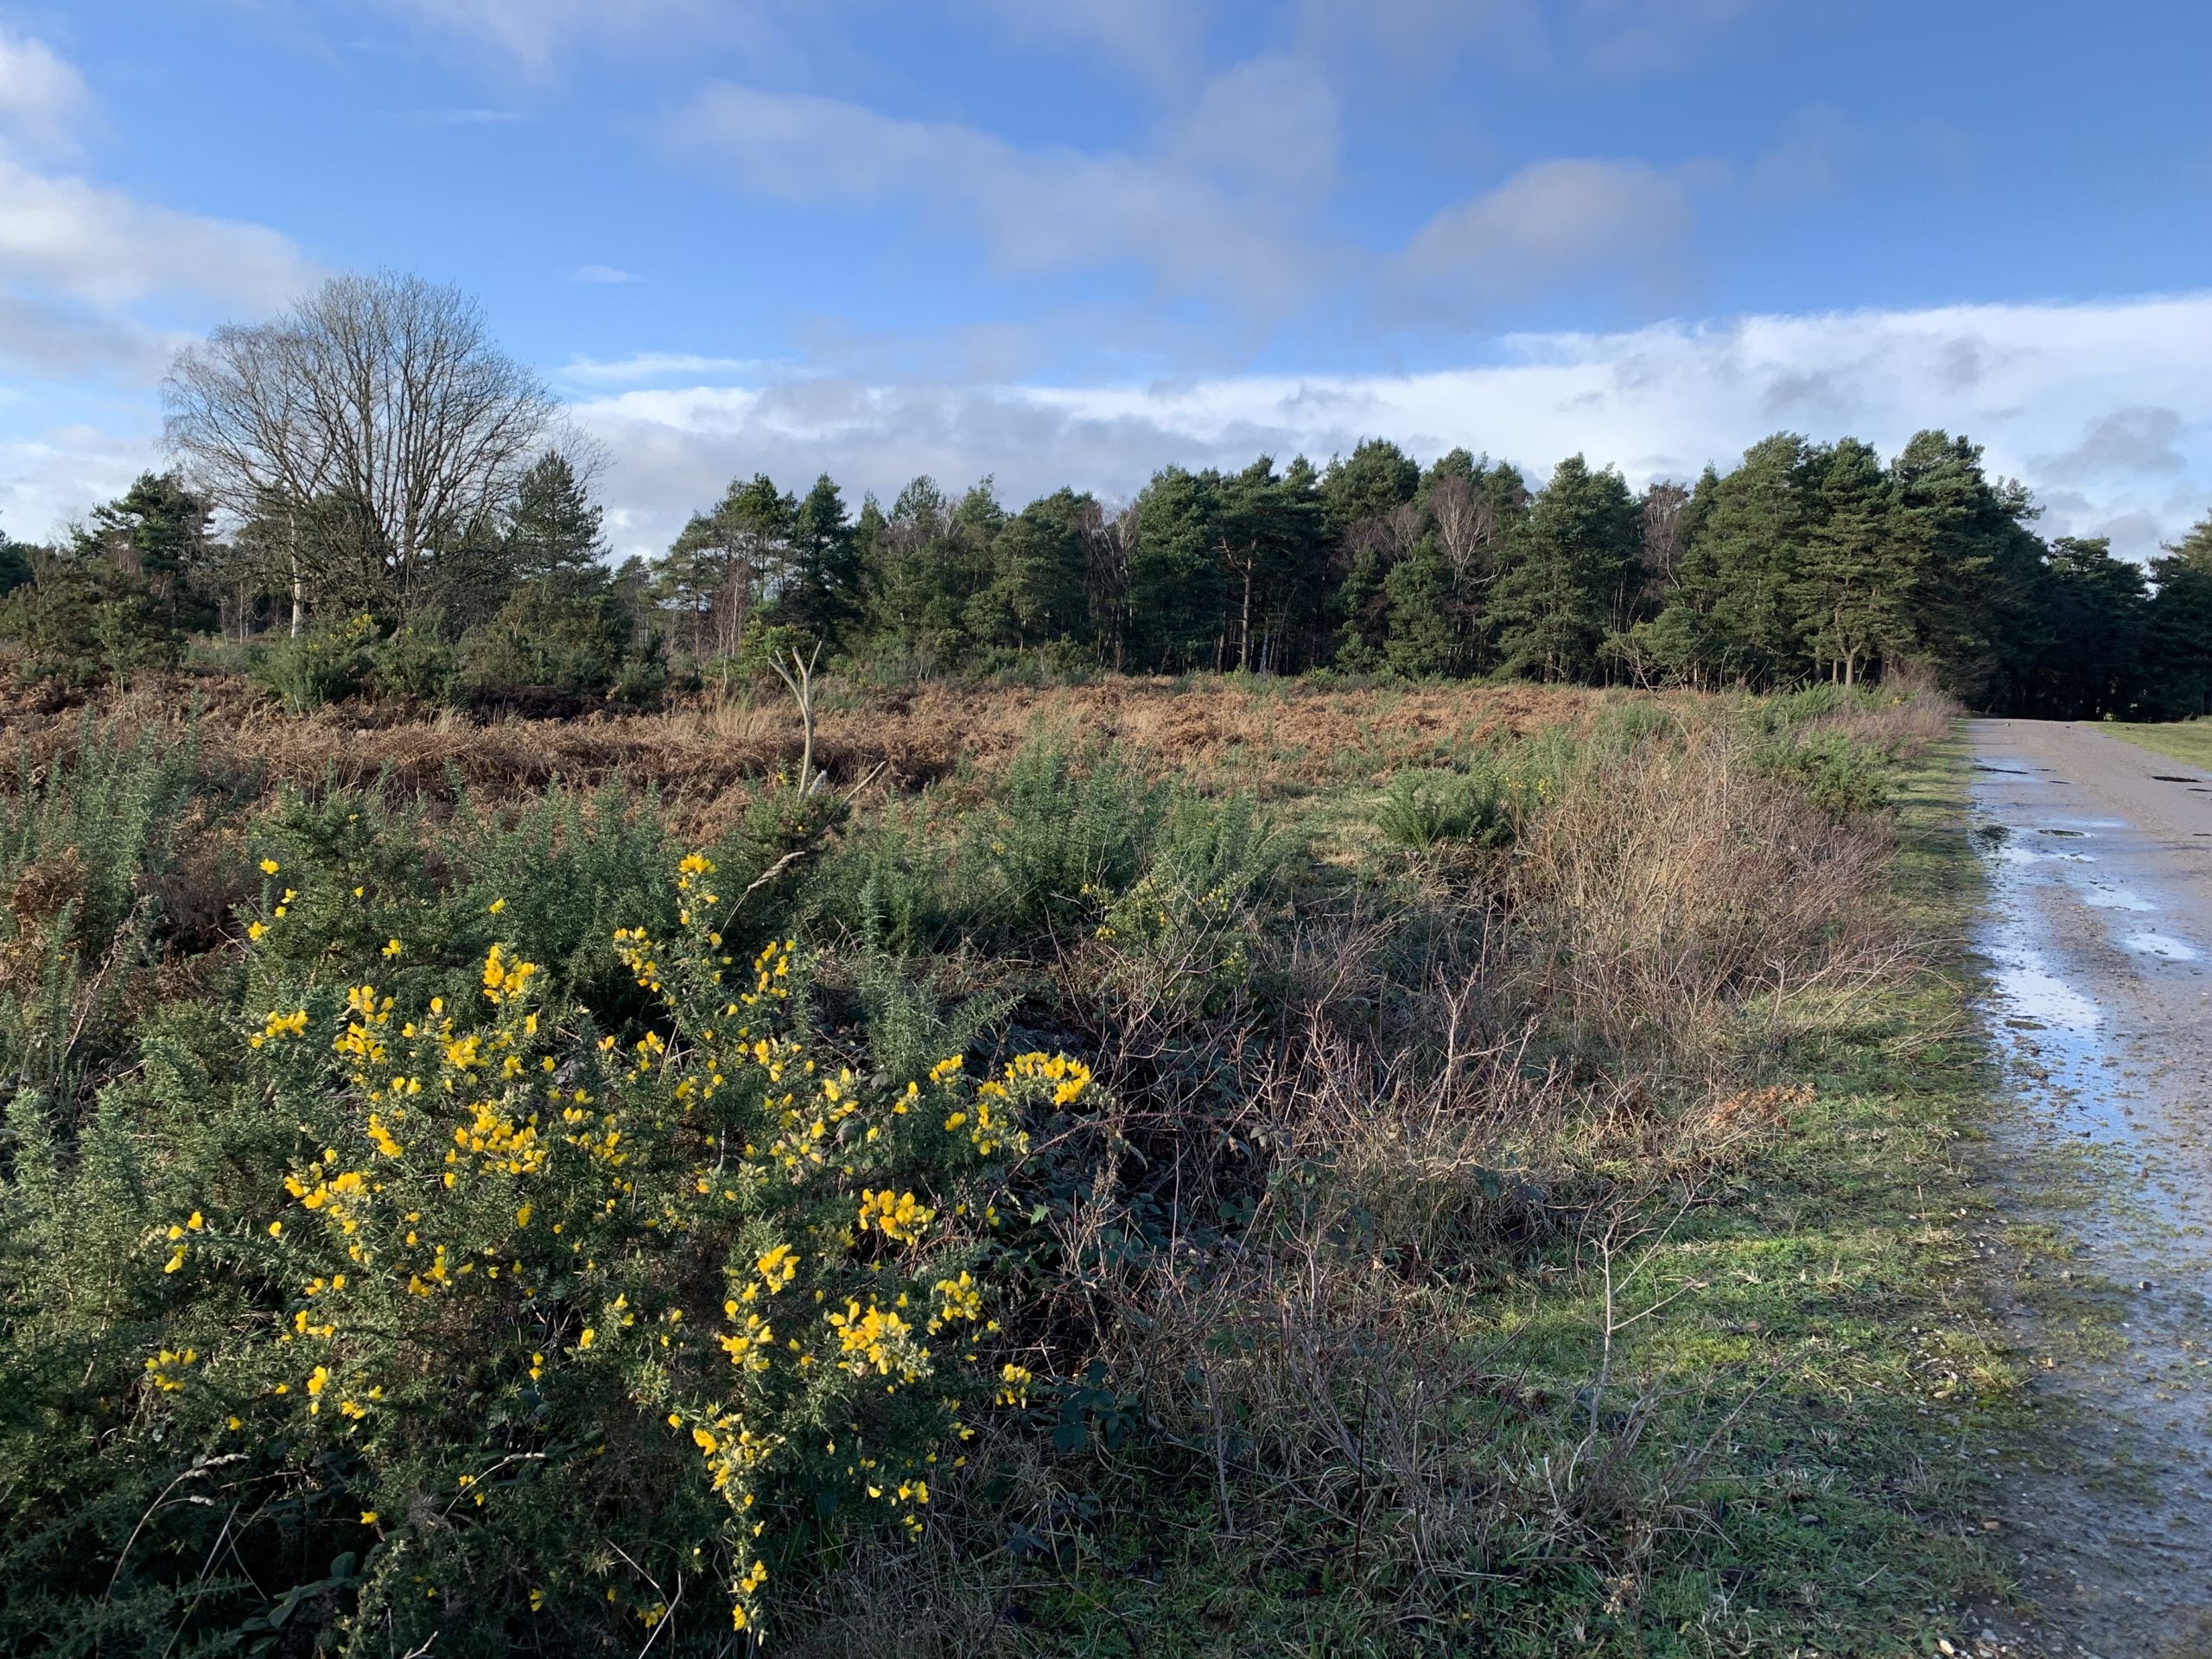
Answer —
2098 939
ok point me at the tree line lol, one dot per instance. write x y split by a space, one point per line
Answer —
372 454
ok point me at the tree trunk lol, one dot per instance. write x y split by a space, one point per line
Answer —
1244 645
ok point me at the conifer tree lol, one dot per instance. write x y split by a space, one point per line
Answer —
553 528
1569 563
822 593
2177 643
1845 593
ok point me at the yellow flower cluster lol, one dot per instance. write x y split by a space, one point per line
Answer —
194 1223
553 1200
280 1025
505 981
166 1370
876 1341
899 1217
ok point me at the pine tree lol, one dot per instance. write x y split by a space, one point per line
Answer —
1739 575
1967 573
1364 508
822 593
553 528
2096 607
1845 593
1039 558
723 561
1175 603
2177 633
1568 564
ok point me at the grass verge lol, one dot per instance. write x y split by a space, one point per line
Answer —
2185 739
1797 1385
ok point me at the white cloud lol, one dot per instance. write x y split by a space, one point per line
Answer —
604 275
1659 402
89 274
1270 123
44 103
1627 38
1037 211
93 278
49 477
97 290
105 249
642 366
534 33
1555 222
1162 40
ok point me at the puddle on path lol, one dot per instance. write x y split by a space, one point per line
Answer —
2103 898
2158 945
2092 1010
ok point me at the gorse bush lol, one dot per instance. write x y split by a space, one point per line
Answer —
84 850
897 885
1839 771
1068 828
534 1328
328 663
1426 810
414 665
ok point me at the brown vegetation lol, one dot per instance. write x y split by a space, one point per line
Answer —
699 753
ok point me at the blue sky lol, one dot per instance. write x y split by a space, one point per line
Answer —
1068 242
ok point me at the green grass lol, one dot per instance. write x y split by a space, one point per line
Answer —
2185 740
1826 1352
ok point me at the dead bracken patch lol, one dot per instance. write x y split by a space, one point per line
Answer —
702 754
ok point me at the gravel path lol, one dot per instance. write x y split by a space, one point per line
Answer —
2099 941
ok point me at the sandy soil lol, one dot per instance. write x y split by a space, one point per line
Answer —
2099 940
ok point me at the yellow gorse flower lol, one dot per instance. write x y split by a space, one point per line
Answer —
897 1216
492 1159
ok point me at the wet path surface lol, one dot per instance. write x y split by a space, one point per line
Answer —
2099 940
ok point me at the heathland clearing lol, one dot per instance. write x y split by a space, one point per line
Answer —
1491 1167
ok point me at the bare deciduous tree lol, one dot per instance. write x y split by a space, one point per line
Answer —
1664 521
1467 527
378 414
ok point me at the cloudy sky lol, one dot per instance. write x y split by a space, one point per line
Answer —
1065 241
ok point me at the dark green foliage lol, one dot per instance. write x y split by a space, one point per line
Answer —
123 592
14 564
84 621
553 528
328 663
1742 574
1375 481
1071 829
548 637
85 851
1803 561
1571 576
2096 610
2178 630
414 664
1426 811
1839 773
156 529
1176 588
823 594
1037 590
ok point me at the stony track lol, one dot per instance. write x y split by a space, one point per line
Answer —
2098 939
